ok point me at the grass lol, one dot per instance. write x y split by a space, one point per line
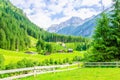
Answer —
81 74
13 56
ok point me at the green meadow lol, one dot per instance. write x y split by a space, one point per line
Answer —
81 74
13 56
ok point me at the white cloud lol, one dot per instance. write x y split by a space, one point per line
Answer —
57 21
41 11
107 3
90 2
87 13
43 20
28 11
17 2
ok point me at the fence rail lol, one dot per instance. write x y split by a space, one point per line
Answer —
38 70
55 68
101 64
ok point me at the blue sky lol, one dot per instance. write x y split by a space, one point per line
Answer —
47 12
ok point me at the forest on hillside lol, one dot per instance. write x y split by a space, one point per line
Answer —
15 28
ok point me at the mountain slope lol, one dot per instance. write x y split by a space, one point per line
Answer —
11 35
86 29
72 22
15 28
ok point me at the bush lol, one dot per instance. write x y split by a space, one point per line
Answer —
77 58
78 48
4 75
47 62
49 48
67 60
56 62
64 60
60 62
70 62
11 66
26 63
82 47
51 61
40 45
2 59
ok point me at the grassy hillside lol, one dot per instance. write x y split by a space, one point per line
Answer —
81 74
13 56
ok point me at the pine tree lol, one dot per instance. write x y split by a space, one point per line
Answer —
115 21
101 39
106 44
2 59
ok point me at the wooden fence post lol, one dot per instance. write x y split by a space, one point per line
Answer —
117 64
54 70
34 70
68 67
99 64
78 65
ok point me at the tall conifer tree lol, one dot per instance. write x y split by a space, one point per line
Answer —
106 43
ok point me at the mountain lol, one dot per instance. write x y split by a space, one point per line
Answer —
87 28
75 26
72 22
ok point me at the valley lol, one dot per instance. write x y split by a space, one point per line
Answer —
93 41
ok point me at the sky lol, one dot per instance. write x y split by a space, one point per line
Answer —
44 13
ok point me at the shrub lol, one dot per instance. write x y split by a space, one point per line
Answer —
51 61
77 58
82 47
11 66
25 63
56 62
49 48
70 62
78 48
40 45
64 60
60 62
2 59
67 60
46 62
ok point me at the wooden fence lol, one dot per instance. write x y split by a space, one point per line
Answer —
55 68
38 70
101 64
